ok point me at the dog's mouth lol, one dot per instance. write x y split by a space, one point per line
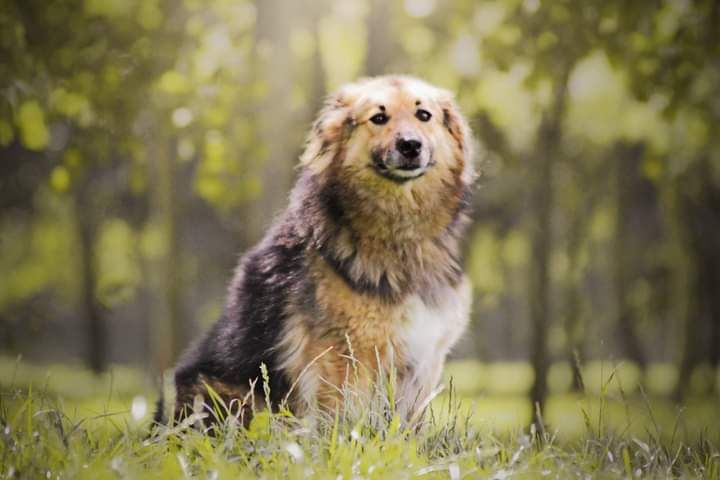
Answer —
401 173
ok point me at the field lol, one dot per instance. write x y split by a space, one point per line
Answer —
61 422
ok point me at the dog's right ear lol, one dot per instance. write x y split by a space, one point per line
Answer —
329 132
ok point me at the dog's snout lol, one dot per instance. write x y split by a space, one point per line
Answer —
408 147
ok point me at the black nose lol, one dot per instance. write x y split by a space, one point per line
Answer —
409 148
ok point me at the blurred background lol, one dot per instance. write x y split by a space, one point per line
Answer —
145 144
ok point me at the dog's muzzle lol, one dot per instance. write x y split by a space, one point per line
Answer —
407 161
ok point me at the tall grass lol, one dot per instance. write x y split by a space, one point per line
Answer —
365 437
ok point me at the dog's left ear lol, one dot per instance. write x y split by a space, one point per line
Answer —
329 132
459 130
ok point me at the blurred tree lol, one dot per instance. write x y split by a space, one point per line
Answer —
580 193
380 41
544 36
628 251
81 77
675 58
553 37
699 204
272 54
144 143
540 232
318 87
167 326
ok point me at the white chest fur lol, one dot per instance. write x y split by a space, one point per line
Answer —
427 335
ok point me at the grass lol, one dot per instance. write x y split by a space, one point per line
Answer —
68 424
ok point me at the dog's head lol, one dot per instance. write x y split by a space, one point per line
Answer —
389 132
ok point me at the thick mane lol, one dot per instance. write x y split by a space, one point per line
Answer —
389 253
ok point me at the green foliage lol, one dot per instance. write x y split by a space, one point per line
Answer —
33 129
117 265
106 435
32 250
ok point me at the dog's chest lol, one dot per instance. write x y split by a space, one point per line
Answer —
414 335
430 329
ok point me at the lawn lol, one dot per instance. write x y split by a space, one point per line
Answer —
61 422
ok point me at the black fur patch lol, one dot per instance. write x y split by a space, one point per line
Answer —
246 335
446 120
448 124
331 205
382 289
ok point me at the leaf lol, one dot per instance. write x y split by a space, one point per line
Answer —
174 82
34 133
60 179
72 105
150 16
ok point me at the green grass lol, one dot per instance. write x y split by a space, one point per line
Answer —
65 423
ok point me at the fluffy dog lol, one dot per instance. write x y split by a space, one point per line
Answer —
363 267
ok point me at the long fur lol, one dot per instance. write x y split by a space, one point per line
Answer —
357 261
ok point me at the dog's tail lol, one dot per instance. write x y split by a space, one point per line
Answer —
159 416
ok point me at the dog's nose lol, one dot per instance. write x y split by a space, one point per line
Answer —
408 148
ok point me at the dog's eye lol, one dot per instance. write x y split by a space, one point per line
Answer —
423 115
379 119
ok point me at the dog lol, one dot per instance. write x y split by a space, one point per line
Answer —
363 268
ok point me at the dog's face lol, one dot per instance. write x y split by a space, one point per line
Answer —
391 132
398 132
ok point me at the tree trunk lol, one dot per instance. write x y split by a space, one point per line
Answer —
86 224
166 325
626 264
689 355
275 64
591 188
714 354
541 172
380 42
318 87
573 300
699 203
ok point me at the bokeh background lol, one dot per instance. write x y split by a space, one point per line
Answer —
144 144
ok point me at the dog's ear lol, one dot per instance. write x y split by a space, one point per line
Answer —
459 130
329 132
